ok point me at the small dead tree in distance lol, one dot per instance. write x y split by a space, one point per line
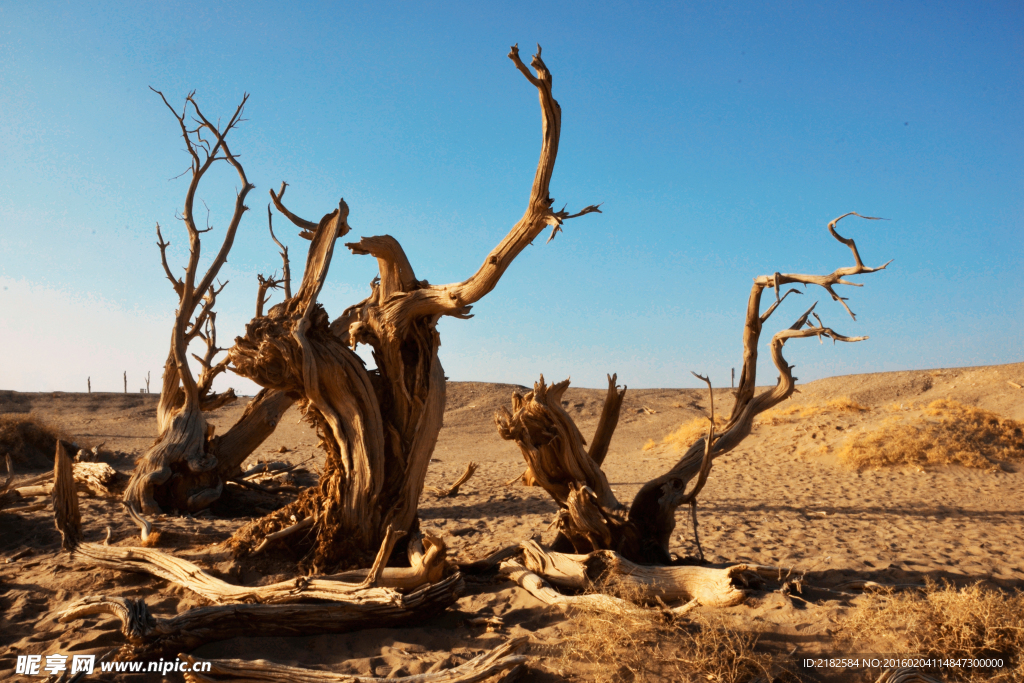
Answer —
379 428
591 518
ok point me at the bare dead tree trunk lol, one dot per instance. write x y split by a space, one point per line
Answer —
591 518
88 383
126 381
378 428
147 381
178 471
66 514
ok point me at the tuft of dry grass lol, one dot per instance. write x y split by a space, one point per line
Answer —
686 434
30 441
949 433
796 411
633 643
944 621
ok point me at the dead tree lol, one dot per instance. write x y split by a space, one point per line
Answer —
179 471
378 428
591 518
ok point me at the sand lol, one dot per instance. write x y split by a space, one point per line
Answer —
780 499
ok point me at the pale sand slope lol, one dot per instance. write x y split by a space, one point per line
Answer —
779 499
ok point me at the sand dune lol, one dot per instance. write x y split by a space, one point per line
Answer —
781 498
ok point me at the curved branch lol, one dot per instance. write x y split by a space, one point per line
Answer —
396 273
456 299
286 271
307 227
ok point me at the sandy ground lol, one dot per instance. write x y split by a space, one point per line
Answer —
779 499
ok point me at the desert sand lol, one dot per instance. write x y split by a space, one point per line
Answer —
782 498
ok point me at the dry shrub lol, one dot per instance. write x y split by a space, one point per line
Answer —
632 643
944 621
795 411
31 442
686 434
955 435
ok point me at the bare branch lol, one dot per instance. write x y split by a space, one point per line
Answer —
456 299
179 286
827 281
307 227
286 272
263 291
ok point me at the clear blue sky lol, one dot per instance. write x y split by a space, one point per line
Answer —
720 140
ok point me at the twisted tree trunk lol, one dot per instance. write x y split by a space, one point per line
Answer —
379 427
591 519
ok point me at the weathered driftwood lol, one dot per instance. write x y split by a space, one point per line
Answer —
66 514
453 490
149 636
478 668
553 448
429 567
539 588
190 576
96 478
378 429
710 586
428 564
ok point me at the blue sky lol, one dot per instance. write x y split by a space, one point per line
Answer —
719 138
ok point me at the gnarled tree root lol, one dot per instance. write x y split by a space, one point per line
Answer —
479 668
149 636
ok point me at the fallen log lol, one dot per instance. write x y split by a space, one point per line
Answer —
710 586
150 637
97 478
428 568
479 668
539 588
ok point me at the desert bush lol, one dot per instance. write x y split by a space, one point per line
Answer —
30 441
947 433
634 643
944 621
686 434
799 411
